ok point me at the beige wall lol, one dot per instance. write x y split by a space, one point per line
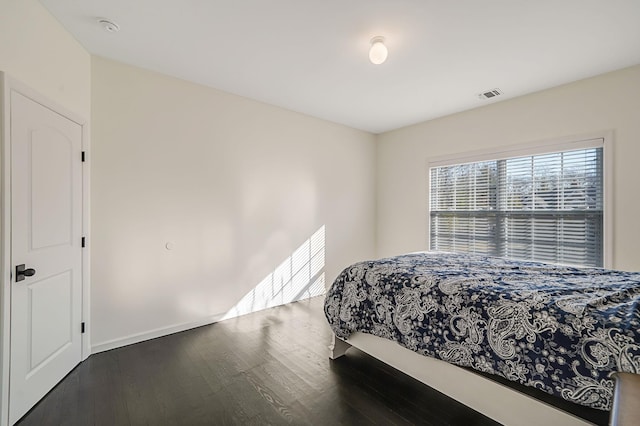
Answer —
235 185
37 51
607 102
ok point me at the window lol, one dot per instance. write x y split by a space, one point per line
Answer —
546 206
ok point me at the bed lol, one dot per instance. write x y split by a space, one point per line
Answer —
560 329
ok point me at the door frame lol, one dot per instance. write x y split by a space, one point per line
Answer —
8 85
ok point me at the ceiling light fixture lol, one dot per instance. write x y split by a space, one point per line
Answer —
378 51
108 26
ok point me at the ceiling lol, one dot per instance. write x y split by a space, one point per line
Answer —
310 56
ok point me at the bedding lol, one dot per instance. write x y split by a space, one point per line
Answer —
564 330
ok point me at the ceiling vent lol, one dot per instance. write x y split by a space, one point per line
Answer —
490 94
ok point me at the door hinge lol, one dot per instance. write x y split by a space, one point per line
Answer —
83 241
83 157
82 327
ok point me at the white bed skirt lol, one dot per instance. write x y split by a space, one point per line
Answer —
499 402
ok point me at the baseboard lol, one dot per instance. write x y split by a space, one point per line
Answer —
153 334
165 331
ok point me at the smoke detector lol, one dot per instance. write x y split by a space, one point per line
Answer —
108 26
490 94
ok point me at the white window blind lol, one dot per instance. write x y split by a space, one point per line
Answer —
545 207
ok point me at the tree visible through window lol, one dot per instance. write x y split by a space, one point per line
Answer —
545 207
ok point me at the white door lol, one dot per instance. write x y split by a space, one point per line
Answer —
46 227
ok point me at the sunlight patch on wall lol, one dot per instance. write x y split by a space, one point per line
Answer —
299 277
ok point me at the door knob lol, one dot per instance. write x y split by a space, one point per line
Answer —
21 272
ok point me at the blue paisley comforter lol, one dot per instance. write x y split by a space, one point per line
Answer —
560 329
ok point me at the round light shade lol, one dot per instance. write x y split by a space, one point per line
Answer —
378 52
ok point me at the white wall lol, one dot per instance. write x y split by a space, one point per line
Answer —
235 185
36 50
607 102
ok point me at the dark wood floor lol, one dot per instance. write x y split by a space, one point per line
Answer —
270 367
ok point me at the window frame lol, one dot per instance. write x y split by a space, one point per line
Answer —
602 140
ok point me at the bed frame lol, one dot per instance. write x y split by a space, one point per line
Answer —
490 398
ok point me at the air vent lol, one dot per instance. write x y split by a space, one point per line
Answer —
490 94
